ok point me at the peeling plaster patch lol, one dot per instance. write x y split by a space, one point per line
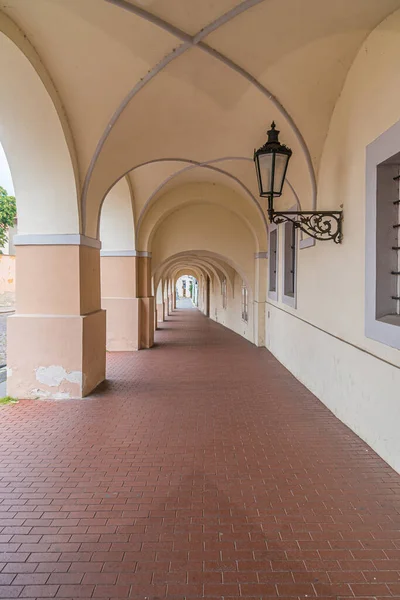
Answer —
9 372
39 394
54 375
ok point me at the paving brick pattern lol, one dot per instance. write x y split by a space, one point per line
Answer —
203 470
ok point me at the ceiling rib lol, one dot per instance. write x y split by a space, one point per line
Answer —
188 42
205 165
194 164
208 165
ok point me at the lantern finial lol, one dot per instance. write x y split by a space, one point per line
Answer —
273 134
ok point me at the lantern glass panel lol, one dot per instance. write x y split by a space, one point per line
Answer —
281 161
266 167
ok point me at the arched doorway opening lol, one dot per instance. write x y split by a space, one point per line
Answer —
187 292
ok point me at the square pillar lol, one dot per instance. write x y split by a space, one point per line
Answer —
126 297
147 308
56 339
160 316
146 322
118 298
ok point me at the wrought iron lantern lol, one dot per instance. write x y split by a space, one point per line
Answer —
272 161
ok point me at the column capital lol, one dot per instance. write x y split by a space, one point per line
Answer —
137 253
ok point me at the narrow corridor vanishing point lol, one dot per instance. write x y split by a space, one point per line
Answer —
204 469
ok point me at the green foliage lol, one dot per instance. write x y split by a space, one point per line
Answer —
8 212
8 400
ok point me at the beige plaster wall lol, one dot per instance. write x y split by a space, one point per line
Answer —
56 339
62 280
63 355
231 316
118 276
118 298
209 227
171 199
362 390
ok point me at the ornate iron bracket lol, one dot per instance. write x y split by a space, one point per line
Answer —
320 225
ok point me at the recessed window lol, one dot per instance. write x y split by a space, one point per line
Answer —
388 241
289 264
245 303
273 263
224 293
382 239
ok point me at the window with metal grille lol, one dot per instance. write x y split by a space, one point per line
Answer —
388 241
395 272
245 306
382 238
273 263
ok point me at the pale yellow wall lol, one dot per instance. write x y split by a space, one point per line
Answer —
363 391
208 227
231 316
202 192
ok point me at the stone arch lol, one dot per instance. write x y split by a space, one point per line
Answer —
117 223
35 135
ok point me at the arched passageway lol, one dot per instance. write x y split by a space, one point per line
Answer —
130 128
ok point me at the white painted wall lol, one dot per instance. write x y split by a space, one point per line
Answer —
355 383
359 389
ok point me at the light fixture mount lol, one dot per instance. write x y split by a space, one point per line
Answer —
271 162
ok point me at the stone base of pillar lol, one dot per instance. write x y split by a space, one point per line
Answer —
123 324
62 357
146 320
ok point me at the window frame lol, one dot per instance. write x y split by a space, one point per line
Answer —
245 303
289 262
273 261
224 293
379 328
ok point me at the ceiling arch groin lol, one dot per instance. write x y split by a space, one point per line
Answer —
190 42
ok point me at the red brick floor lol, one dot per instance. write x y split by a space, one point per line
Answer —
204 470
